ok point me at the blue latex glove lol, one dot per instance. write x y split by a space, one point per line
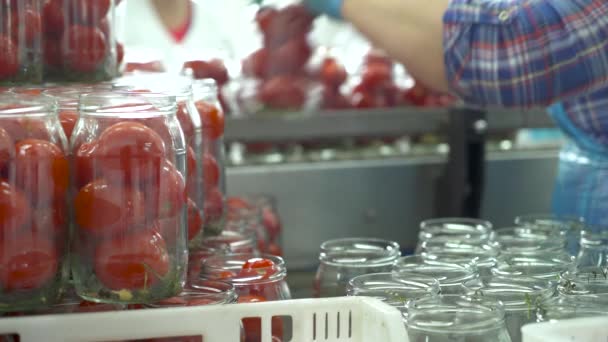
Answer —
332 8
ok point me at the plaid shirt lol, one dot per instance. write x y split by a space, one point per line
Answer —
524 53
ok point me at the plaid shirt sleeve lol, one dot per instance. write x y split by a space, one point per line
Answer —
523 53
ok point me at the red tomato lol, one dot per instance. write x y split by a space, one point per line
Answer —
264 18
130 153
283 92
15 210
9 58
120 53
84 163
53 19
271 222
104 209
195 221
332 73
256 64
7 148
237 203
84 48
89 12
289 58
212 119
132 262
153 66
214 69
291 21
27 263
165 192
42 171
52 53
31 23
68 120
213 206
416 95
211 171
375 75
258 267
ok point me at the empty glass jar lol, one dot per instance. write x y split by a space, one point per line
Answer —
450 318
518 242
454 230
343 259
129 198
450 276
482 257
574 306
569 227
590 280
520 296
593 250
548 266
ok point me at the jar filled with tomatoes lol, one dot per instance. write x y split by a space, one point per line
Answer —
20 42
130 200
213 171
79 42
256 279
34 178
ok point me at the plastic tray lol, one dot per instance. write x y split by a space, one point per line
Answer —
572 330
356 319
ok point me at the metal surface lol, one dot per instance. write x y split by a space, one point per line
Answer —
377 122
386 198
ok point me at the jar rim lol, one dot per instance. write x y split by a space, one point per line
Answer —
217 292
136 105
486 314
231 241
516 293
448 274
23 105
550 221
395 291
359 252
172 85
214 267
457 223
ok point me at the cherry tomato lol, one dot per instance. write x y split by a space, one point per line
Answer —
165 192
291 21
332 73
84 162
90 12
104 209
256 64
237 203
84 48
27 263
375 75
416 95
52 53
133 262
211 171
258 267
214 69
120 53
271 222
15 210
289 58
31 23
9 58
212 119
213 205
264 18
68 120
42 171
283 92
7 148
53 19
130 153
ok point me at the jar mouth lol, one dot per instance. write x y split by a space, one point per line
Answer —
481 256
359 252
516 293
456 226
446 273
19 105
550 223
545 267
127 104
565 307
228 268
455 314
589 280
395 291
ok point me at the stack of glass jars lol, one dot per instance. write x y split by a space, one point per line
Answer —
343 259
20 42
34 181
130 198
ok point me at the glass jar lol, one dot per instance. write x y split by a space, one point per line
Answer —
34 178
79 42
198 257
548 266
67 101
569 227
214 174
450 276
574 306
343 259
456 318
590 280
593 250
20 42
482 257
520 295
130 200
235 242
256 279
454 230
517 242
394 291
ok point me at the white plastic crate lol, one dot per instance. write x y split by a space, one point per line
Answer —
572 330
353 319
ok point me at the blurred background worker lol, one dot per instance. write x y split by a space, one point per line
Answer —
511 54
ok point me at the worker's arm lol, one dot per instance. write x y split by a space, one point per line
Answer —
491 52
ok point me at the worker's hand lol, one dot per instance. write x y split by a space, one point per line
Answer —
332 8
